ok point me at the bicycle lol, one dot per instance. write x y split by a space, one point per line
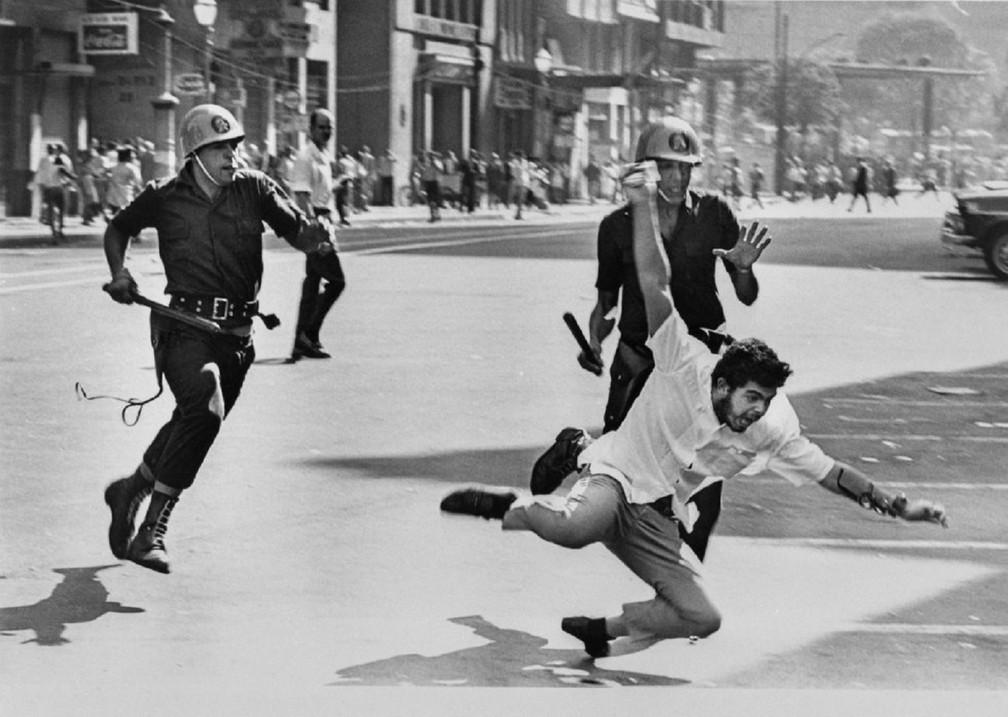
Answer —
52 211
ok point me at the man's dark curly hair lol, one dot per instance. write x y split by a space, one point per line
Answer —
751 360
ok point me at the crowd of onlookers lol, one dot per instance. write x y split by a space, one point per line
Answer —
109 174
105 177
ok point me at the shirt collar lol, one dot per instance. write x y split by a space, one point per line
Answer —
707 420
690 203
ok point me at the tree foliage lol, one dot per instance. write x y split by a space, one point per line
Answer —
917 39
812 94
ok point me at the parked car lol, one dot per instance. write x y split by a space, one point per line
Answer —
980 221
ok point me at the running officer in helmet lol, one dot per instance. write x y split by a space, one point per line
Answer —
209 219
696 229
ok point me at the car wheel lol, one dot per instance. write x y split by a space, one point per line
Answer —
996 255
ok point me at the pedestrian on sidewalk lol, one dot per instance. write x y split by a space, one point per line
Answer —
125 181
756 178
696 229
860 182
312 185
385 168
593 176
346 179
91 167
209 220
430 177
519 171
889 181
700 417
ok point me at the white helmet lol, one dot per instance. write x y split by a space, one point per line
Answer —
669 138
206 124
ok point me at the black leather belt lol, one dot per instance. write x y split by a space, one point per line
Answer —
215 308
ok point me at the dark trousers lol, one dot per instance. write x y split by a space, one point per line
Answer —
314 304
630 369
343 201
205 373
387 191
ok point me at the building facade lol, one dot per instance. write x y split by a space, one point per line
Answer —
43 91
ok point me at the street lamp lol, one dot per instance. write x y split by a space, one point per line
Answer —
206 15
165 104
543 62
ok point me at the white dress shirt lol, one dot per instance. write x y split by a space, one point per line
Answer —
671 441
312 173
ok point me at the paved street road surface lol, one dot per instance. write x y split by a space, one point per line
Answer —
313 573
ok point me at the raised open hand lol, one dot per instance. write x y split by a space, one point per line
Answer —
753 239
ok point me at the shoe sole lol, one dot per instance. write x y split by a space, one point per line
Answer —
538 484
157 567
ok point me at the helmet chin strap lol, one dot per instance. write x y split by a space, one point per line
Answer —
199 162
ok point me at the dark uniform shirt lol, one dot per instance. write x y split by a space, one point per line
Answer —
212 247
706 222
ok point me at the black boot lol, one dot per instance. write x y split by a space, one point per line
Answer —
123 498
148 548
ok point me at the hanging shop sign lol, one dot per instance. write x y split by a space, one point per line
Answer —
108 33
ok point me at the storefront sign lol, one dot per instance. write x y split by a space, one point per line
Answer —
445 28
512 94
108 33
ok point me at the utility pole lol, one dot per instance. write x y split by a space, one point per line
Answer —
781 51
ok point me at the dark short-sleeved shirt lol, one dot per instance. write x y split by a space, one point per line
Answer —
209 246
706 222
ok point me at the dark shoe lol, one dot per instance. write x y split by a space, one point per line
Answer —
123 498
559 461
306 348
148 549
591 632
481 503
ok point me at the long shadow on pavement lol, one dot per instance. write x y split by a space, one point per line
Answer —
79 597
510 658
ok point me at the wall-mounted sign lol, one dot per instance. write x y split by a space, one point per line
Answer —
266 37
108 33
189 84
445 28
512 94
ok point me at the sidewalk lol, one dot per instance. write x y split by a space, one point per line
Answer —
20 232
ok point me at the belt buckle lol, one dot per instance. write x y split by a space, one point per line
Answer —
220 309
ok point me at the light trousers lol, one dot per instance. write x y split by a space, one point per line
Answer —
647 542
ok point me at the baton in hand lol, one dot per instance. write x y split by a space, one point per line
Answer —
582 342
183 316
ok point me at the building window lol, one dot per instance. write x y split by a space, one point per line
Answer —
469 12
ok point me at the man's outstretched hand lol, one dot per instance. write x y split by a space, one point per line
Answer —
925 511
753 239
